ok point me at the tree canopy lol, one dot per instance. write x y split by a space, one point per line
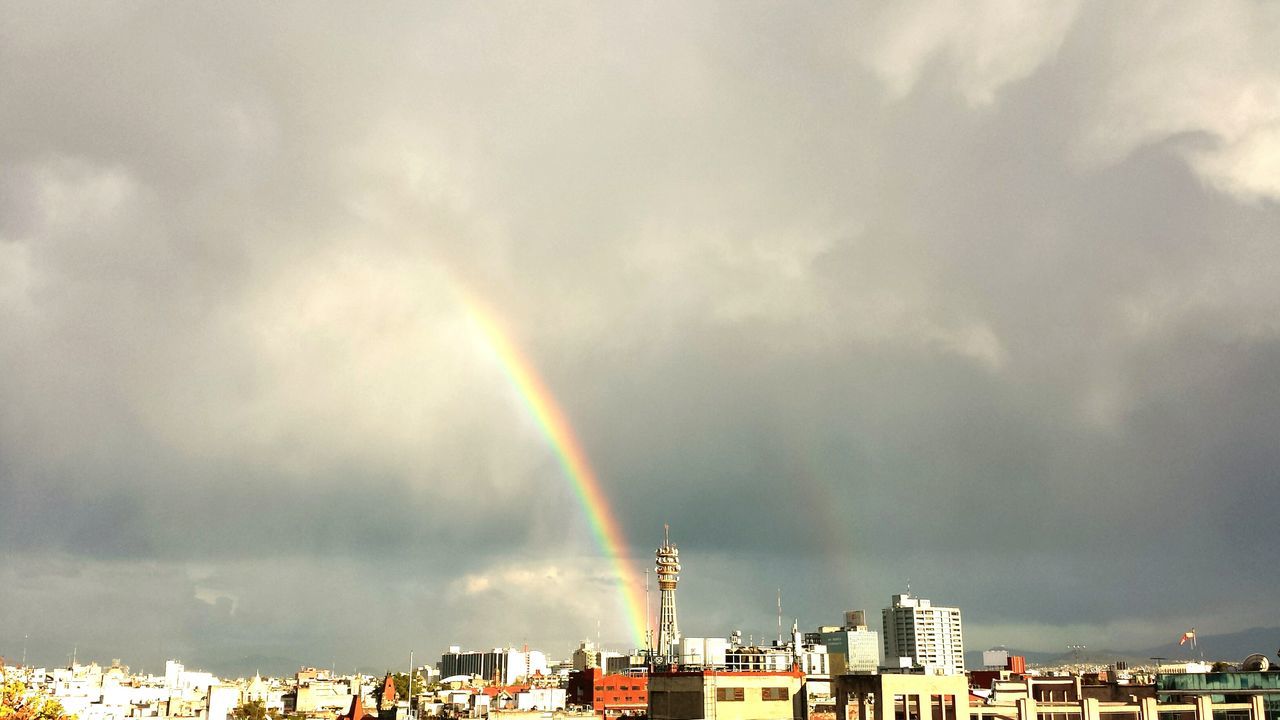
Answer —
401 681
17 703
253 710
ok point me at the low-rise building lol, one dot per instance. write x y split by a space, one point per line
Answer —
608 695
727 695
322 696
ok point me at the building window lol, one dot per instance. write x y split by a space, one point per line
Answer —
775 693
730 694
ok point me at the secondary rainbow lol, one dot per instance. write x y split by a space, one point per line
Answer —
555 425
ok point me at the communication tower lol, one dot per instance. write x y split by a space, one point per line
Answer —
668 558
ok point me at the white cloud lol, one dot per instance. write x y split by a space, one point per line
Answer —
538 595
231 333
987 44
1198 69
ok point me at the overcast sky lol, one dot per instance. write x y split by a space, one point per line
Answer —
983 296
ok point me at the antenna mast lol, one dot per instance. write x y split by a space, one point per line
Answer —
648 615
408 709
779 617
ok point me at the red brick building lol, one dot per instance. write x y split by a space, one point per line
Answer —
608 695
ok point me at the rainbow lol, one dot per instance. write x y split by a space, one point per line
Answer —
573 458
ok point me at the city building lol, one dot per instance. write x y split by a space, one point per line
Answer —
318 694
608 695
703 652
892 696
724 695
385 697
852 647
919 635
721 654
615 663
1260 689
223 698
753 658
500 665
541 699
995 658
588 656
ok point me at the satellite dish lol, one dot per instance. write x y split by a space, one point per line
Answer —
1256 662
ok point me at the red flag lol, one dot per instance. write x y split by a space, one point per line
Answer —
1188 635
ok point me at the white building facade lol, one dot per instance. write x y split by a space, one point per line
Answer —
918 634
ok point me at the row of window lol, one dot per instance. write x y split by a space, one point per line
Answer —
732 694
612 688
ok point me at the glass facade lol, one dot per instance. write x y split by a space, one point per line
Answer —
1228 687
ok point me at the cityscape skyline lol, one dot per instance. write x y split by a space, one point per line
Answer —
940 637
324 329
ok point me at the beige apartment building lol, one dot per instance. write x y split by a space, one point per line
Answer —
719 695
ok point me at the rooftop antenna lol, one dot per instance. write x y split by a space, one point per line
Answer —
409 700
779 617
648 615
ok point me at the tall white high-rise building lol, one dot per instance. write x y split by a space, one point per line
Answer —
919 634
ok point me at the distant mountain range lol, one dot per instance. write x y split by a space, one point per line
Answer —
1231 647
245 666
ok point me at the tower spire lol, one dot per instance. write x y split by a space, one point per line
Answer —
668 569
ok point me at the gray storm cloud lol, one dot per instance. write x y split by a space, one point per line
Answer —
980 297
